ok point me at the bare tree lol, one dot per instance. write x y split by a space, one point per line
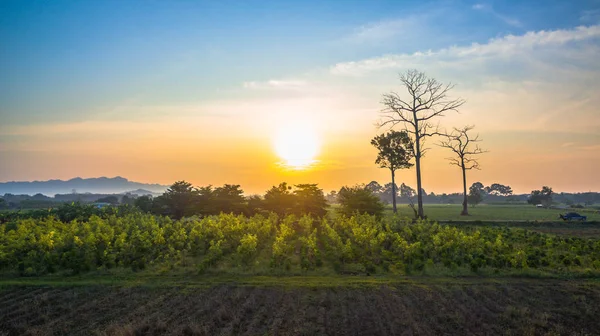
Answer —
466 148
427 99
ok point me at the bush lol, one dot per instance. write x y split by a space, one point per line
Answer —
359 200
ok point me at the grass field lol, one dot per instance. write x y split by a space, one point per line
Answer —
484 212
423 306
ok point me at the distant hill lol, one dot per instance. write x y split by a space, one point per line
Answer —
100 185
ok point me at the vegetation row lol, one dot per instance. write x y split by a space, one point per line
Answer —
271 245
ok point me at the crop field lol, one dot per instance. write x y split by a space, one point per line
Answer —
417 306
139 274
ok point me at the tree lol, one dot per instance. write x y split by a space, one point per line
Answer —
395 151
112 199
543 197
205 202
280 199
229 199
144 203
499 189
310 200
408 193
254 205
387 193
475 194
465 148
359 199
127 199
331 197
375 187
427 100
179 200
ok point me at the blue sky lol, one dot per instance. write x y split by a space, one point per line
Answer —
61 57
76 71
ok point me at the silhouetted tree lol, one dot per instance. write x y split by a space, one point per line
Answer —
331 197
375 187
280 199
387 193
543 197
465 147
359 199
395 151
254 205
476 193
206 203
427 99
310 200
179 200
229 199
499 189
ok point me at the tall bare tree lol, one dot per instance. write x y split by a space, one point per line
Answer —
465 147
426 100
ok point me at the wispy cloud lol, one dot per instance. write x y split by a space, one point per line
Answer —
590 16
276 84
383 30
498 47
489 9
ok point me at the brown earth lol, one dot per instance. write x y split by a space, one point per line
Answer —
528 307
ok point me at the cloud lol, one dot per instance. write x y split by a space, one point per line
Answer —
489 9
275 84
498 47
590 16
383 30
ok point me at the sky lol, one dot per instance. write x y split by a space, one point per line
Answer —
206 91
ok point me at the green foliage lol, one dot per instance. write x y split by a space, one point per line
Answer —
144 203
229 199
279 199
347 245
395 150
476 192
359 199
310 200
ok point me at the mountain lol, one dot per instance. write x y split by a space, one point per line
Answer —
101 185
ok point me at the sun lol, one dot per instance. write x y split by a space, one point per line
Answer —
297 144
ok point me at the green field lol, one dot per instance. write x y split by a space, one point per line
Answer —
484 212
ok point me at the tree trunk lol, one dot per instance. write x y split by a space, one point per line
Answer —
394 190
418 162
419 190
465 210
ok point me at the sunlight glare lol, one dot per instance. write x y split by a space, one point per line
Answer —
297 144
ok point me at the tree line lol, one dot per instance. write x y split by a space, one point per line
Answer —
182 199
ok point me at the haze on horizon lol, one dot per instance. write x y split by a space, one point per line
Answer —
221 92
